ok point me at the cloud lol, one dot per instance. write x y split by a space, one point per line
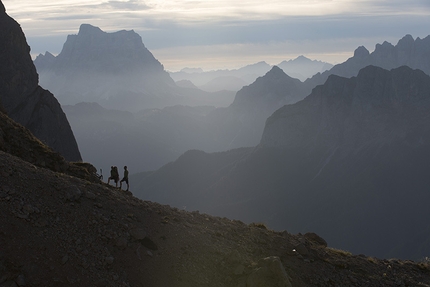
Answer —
133 5
228 25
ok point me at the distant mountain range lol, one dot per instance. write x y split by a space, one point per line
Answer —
239 125
117 71
350 161
300 68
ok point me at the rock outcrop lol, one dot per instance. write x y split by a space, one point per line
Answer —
24 100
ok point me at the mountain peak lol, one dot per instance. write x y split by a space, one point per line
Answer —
361 52
406 42
384 46
87 29
276 71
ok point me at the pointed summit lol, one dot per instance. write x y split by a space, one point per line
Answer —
406 44
361 52
86 29
276 72
269 92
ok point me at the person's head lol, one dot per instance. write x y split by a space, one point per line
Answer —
125 167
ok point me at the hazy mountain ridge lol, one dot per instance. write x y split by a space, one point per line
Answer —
352 145
117 71
300 68
22 97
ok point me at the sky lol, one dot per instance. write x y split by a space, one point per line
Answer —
227 34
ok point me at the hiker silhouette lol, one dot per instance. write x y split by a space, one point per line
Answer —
125 178
114 175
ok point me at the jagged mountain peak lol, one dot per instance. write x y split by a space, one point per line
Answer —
384 47
407 39
269 92
86 29
361 52
277 72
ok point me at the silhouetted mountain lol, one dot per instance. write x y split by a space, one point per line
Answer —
302 68
350 161
24 100
115 70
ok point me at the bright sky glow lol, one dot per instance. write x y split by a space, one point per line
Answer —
227 33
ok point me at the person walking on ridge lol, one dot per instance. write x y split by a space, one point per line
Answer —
114 175
125 178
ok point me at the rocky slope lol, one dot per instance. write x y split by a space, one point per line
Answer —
349 162
62 230
23 99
